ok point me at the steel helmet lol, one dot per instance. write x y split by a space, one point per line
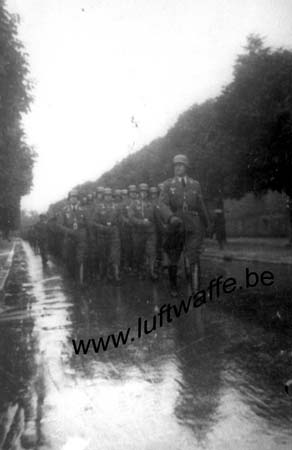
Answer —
108 191
73 193
181 159
132 188
143 187
153 190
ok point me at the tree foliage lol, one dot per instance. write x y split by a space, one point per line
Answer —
256 108
238 142
16 157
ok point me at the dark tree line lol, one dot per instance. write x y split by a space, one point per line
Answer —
238 142
16 157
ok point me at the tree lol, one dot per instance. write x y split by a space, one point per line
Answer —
256 109
16 157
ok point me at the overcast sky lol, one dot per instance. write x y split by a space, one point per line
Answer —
112 75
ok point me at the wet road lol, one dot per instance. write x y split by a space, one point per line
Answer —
211 379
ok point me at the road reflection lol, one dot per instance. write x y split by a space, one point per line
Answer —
207 380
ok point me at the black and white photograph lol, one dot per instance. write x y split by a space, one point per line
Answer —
145 225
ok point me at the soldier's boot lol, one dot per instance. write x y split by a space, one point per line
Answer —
153 274
117 277
188 270
172 273
195 277
164 264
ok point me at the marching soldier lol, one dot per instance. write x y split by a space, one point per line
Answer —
183 210
117 195
99 245
83 201
99 194
107 224
142 216
133 194
74 225
160 227
125 232
89 211
153 194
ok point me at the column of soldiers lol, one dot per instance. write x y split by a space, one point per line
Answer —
138 231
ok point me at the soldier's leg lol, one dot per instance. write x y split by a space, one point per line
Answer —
173 247
98 255
81 246
151 248
136 250
130 250
193 248
115 253
69 254
124 248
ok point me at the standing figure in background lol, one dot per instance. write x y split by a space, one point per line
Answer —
219 227
42 237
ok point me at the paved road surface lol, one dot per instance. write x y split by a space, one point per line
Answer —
209 380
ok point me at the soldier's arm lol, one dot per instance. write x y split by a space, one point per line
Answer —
164 204
97 222
62 223
125 214
132 216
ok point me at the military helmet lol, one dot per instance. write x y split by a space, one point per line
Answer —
117 191
160 186
143 187
124 191
132 188
73 193
89 195
153 190
100 190
181 159
108 191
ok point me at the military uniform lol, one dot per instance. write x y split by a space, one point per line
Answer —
142 217
74 225
183 198
89 212
107 224
161 229
98 235
126 234
183 210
